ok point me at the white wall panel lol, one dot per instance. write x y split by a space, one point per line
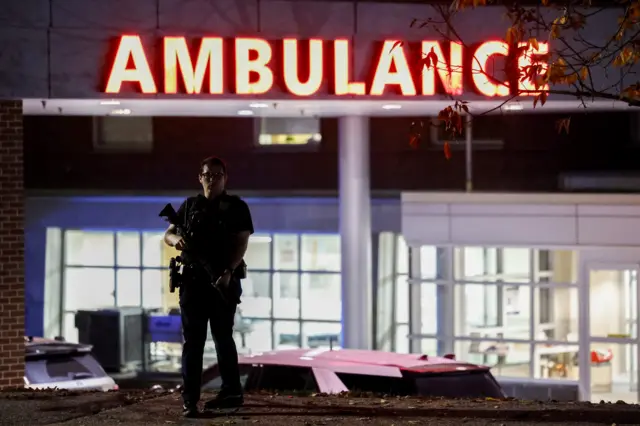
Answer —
513 209
417 229
521 219
609 231
513 230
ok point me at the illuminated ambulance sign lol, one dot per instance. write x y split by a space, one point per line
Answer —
253 66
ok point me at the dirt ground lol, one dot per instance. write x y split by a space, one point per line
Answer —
148 408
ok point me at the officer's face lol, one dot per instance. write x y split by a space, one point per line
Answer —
213 178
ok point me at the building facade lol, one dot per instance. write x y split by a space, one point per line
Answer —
113 130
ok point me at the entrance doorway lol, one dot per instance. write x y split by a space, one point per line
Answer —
610 322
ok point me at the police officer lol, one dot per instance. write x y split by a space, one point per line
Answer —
219 226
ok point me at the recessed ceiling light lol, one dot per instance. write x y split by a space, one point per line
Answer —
245 112
391 106
259 105
517 106
111 102
125 111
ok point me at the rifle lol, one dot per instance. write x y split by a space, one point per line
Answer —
170 215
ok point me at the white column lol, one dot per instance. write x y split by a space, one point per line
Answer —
415 300
355 232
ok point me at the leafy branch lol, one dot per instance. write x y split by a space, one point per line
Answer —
571 62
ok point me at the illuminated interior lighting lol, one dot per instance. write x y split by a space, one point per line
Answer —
245 112
258 105
110 102
391 106
260 239
124 111
514 107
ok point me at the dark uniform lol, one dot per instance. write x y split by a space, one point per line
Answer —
212 225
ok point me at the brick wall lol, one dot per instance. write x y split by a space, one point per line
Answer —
11 245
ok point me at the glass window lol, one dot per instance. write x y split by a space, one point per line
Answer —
289 131
58 368
402 256
558 362
286 301
259 339
479 308
321 335
89 248
428 262
402 342
508 359
474 263
320 252
516 264
128 248
612 303
321 297
402 299
559 266
544 260
429 307
152 288
480 264
256 295
124 133
490 263
128 287
286 252
614 372
258 255
287 334
88 288
430 347
69 330
152 249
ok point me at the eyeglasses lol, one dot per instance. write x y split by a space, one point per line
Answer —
211 176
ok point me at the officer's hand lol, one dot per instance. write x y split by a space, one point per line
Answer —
179 243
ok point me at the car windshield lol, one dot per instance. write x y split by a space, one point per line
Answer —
467 384
61 368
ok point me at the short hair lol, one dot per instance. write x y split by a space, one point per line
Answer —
213 161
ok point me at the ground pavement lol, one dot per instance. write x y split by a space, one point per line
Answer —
163 408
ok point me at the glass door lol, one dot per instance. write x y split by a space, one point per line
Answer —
612 319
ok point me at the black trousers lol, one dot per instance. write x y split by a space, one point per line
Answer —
200 306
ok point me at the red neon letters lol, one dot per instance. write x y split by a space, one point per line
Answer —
254 70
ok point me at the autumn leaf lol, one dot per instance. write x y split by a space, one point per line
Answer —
514 35
447 150
584 73
533 42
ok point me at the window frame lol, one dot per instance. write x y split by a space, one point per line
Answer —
101 145
283 148
271 270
